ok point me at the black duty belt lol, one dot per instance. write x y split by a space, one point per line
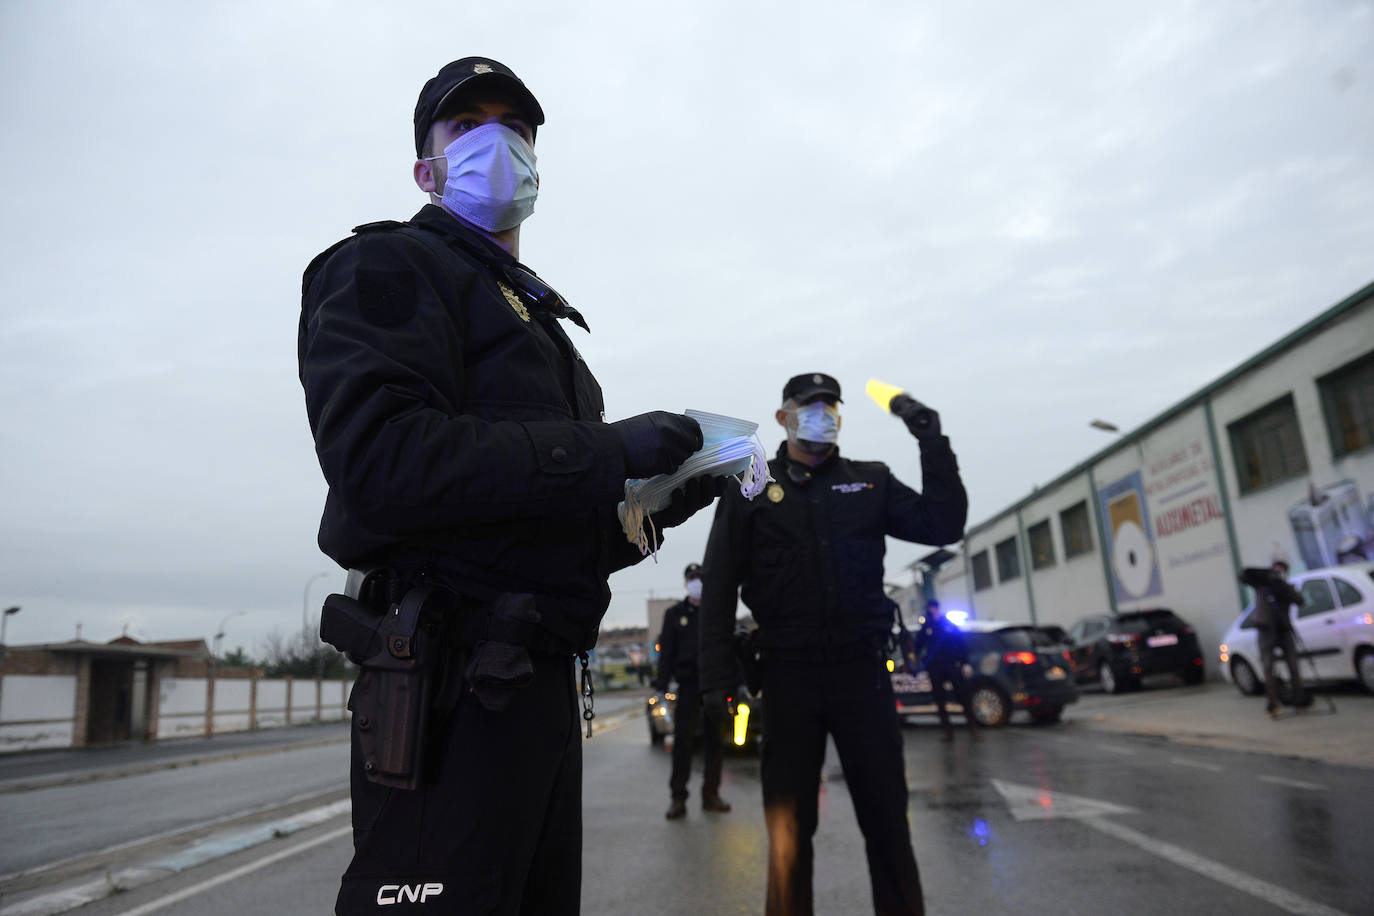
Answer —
465 620
821 652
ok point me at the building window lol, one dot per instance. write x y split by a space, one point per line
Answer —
1076 529
1267 445
1348 402
982 575
1041 545
1008 563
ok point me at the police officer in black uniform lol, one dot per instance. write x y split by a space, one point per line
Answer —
471 476
679 644
944 653
807 558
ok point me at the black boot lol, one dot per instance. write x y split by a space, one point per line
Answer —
677 809
713 802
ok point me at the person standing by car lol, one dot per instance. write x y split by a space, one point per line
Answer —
1274 595
807 558
945 655
472 484
679 645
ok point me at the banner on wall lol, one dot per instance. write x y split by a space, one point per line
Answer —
1130 539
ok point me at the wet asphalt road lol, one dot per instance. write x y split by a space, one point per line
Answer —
1015 823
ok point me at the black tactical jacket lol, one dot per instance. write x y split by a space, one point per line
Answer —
458 429
807 557
679 643
941 643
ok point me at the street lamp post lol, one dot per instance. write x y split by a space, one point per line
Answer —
305 610
4 620
219 631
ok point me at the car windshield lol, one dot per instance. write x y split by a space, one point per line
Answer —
1144 621
1017 639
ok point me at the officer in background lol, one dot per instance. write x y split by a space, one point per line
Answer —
807 558
944 654
471 474
679 644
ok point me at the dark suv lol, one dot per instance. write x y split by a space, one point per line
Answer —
1014 667
1117 651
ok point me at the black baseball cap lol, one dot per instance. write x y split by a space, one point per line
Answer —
693 571
810 384
447 81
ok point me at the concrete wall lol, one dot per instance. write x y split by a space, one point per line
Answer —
37 711
46 711
233 705
181 704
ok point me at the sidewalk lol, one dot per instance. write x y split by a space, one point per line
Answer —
1217 715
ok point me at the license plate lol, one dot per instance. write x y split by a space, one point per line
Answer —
1054 674
1164 639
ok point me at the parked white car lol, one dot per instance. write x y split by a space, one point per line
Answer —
1334 627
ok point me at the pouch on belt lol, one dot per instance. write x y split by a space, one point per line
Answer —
500 662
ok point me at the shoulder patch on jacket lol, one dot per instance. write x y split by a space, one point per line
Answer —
386 296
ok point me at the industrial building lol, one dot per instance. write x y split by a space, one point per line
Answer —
1274 460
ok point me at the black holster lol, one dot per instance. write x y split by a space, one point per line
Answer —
398 651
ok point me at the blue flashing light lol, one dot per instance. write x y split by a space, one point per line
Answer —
958 618
980 831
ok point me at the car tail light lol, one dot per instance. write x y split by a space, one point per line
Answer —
1067 656
1185 630
1019 658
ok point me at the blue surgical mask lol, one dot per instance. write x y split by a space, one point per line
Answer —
818 422
491 182
694 589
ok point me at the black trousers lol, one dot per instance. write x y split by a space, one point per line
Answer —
939 673
686 714
500 828
852 701
1282 639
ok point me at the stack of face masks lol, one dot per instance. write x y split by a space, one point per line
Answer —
730 448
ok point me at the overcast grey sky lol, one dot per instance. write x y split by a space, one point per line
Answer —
1030 215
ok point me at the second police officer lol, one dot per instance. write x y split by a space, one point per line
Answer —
807 558
679 644
944 653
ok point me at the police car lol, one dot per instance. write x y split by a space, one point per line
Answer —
1014 667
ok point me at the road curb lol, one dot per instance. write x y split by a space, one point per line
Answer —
73 777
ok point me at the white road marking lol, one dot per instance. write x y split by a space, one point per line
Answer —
1196 764
1280 897
1117 749
207 849
1030 803
154 837
155 905
1292 783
